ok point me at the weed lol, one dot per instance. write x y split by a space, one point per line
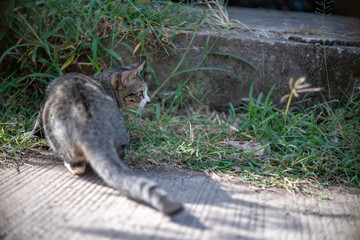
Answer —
299 87
319 195
317 146
13 142
324 8
47 39
219 13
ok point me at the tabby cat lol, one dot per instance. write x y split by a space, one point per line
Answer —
82 123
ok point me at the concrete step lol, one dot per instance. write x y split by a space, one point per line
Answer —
277 46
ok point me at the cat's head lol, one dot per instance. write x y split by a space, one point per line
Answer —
129 87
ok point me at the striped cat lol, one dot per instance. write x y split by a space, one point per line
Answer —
82 123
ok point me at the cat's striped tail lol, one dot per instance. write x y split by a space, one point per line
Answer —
109 167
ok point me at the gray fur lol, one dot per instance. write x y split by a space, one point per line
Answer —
82 123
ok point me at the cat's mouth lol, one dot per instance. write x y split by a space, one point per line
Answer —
132 106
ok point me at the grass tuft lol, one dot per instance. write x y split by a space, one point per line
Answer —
316 147
47 39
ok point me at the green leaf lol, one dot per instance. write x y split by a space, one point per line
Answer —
234 56
94 49
113 53
41 75
207 68
13 47
94 63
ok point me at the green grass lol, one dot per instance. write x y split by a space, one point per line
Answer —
317 146
46 40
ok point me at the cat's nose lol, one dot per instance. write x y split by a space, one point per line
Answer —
147 100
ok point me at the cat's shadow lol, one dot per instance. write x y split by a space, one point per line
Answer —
192 188
184 217
165 178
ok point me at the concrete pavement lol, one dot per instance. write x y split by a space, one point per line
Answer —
44 201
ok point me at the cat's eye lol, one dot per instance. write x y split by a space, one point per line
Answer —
137 94
140 94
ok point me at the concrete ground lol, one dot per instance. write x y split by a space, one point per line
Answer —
299 27
44 201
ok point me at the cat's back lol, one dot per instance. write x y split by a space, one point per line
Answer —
75 87
78 93
80 105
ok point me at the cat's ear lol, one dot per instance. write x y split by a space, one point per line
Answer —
125 77
115 81
132 71
138 66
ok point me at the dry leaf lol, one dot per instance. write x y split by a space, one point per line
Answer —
248 146
68 62
136 48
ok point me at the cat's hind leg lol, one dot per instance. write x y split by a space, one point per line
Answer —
76 168
77 164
